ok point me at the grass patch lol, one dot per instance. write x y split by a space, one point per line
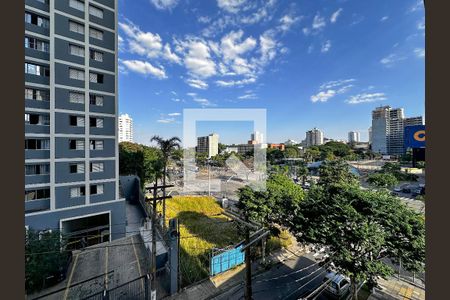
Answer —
283 240
202 227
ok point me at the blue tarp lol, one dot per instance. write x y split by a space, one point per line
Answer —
226 260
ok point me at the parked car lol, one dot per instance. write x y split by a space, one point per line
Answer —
339 286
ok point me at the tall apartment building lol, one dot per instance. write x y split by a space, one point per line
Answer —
125 128
388 129
71 147
354 137
208 144
314 137
256 138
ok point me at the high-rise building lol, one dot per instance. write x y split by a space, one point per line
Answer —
314 137
256 138
71 146
208 144
370 135
388 129
354 137
125 128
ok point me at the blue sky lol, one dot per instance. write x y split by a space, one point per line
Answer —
320 63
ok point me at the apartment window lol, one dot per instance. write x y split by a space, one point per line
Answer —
95 77
37 119
96 145
75 97
37 194
76 168
96 100
76 27
38 70
37 20
96 189
39 169
76 144
77 4
95 33
76 121
76 50
96 55
95 11
37 144
43 1
36 44
76 74
35 94
96 167
77 191
96 122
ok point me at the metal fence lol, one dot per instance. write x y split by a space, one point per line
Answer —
225 259
137 289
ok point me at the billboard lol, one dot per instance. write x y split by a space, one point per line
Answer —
415 136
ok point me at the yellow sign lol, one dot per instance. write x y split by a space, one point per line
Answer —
419 136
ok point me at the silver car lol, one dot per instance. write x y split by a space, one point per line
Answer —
339 285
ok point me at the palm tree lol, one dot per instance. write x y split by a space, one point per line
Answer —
167 148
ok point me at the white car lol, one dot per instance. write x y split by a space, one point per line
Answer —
339 285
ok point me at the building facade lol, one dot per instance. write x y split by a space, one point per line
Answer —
256 138
71 145
314 137
125 128
354 137
388 130
208 144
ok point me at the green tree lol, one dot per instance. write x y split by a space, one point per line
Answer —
291 152
274 156
312 154
222 147
359 227
382 180
43 258
167 147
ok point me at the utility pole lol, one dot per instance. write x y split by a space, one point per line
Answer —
153 218
248 265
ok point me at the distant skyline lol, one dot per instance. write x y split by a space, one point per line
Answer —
309 63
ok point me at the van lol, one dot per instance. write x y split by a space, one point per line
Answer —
339 286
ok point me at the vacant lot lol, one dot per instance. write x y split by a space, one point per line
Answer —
203 227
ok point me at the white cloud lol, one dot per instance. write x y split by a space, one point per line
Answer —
287 21
231 6
384 18
144 67
232 50
318 22
198 59
335 83
142 43
306 31
391 59
419 52
204 19
166 120
326 46
417 6
323 96
192 94
330 89
230 83
421 25
170 56
175 114
335 15
366 98
248 96
164 4
197 83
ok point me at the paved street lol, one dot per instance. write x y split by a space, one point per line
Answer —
292 279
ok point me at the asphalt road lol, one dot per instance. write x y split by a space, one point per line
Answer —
291 280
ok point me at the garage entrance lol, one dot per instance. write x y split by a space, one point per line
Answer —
81 232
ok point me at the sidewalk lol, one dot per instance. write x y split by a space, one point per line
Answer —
214 286
397 289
